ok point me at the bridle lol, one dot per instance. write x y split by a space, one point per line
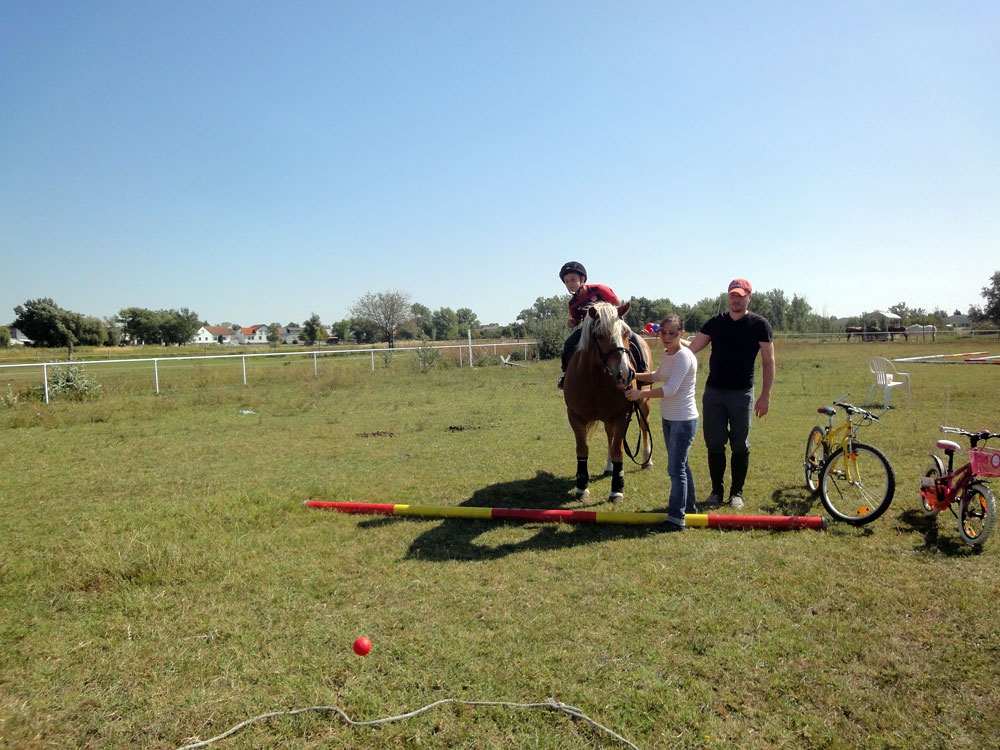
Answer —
622 351
633 405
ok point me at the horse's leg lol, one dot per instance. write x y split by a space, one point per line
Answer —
582 454
582 478
617 482
616 468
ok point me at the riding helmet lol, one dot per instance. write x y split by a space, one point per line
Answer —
573 267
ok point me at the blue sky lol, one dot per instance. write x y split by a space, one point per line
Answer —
261 161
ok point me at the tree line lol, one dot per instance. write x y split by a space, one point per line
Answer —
392 315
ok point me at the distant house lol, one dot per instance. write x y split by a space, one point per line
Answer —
290 335
255 334
17 338
216 335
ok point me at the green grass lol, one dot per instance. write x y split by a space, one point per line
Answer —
160 580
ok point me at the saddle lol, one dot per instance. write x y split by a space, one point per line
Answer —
638 355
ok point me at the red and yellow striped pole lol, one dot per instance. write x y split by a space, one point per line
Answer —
703 520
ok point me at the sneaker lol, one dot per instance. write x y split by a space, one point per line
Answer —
713 501
736 502
667 527
559 385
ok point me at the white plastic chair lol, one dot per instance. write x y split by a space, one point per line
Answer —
887 377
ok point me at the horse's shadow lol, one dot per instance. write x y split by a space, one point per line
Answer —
459 538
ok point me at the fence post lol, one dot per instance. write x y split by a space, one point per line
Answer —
156 378
244 358
45 380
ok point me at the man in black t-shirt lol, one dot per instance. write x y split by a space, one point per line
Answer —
728 401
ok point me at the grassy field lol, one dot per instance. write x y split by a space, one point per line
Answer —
161 582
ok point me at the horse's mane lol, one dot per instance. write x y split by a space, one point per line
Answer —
607 323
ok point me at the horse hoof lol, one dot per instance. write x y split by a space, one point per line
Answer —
647 465
582 494
616 497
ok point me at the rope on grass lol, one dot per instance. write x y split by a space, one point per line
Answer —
550 704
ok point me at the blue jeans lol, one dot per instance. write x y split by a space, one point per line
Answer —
678 437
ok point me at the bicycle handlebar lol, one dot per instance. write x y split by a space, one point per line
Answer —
852 409
974 437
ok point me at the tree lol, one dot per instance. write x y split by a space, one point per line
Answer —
642 311
4 337
445 324
799 314
312 330
177 326
142 326
386 311
273 334
43 321
423 320
467 319
991 312
341 329
546 308
138 325
773 305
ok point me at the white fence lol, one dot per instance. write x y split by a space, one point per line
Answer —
465 356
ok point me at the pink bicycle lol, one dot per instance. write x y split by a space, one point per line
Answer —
964 490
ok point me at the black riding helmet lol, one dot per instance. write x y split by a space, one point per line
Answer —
573 267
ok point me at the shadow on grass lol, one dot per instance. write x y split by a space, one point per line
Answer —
456 538
929 527
793 501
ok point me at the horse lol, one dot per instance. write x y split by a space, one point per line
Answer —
898 331
598 373
854 331
923 331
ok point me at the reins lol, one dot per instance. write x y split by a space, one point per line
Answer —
634 409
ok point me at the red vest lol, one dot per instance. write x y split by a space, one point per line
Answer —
586 297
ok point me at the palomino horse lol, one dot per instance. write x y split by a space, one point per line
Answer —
597 376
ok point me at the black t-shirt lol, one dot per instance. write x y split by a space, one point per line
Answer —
735 344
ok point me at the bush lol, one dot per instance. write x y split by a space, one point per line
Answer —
550 334
73 383
427 356
10 398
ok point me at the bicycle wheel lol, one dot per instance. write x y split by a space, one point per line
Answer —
857 488
934 471
978 514
816 454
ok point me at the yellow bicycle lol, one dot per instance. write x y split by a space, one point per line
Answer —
854 480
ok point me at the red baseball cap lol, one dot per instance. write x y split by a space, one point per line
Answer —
741 287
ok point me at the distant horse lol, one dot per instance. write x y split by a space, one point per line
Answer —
923 331
597 376
898 331
854 331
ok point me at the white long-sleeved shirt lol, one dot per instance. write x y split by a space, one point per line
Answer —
678 373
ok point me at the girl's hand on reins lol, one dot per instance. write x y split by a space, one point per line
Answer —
633 395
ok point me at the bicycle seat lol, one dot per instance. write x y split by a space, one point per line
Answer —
828 410
948 445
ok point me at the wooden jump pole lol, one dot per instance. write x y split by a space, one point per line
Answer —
695 520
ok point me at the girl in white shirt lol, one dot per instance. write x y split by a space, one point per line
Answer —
678 371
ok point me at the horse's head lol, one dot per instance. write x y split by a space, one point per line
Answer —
606 332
